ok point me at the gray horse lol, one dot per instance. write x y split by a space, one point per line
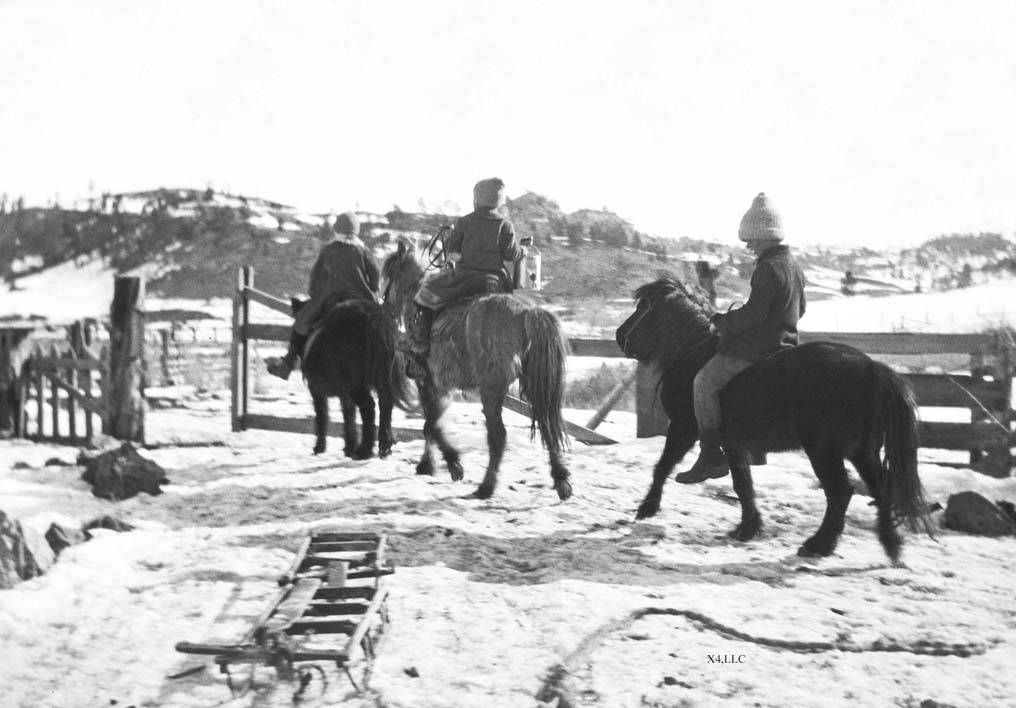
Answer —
484 344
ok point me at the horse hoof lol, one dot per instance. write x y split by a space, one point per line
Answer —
384 452
455 469
564 490
484 491
647 509
744 532
811 549
318 449
425 468
363 454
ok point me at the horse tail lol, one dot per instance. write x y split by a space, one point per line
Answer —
894 427
543 375
388 365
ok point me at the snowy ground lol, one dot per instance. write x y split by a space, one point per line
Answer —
518 601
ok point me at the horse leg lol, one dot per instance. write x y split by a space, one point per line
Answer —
751 519
828 466
496 437
679 441
349 436
320 422
368 431
870 470
384 432
558 472
434 406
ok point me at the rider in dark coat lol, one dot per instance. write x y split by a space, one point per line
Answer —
765 324
344 270
479 245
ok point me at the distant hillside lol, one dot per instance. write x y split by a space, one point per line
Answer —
191 243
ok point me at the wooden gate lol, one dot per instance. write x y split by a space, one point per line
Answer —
245 332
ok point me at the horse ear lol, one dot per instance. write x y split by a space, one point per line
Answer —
402 247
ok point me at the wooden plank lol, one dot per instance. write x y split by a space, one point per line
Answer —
319 547
291 608
86 379
236 421
939 390
650 419
86 401
294 567
959 436
248 282
321 626
590 437
373 611
269 301
906 343
72 411
583 346
335 536
266 332
54 407
40 402
306 426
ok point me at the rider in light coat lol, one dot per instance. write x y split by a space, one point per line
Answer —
765 324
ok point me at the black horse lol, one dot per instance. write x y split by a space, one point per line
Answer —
349 354
830 400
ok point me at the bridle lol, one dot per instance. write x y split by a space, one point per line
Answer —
631 330
706 338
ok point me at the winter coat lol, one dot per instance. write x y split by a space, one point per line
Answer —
344 270
485 239
766 323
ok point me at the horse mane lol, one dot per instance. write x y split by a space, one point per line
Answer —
683 334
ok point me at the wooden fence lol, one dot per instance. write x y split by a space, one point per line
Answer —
58 375
70 381
986 391
245 331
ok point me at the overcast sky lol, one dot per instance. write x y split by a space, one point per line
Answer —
875 123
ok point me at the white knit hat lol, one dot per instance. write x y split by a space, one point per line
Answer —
760 221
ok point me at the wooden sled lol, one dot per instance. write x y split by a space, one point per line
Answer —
333 607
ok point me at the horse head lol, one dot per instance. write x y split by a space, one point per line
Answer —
401 276
669 321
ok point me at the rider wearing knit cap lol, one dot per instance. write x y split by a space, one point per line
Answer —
765 324
479 245
344 270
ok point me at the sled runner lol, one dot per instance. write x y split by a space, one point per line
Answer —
332 607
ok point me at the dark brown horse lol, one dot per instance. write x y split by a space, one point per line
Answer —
830 400
484 344
352 354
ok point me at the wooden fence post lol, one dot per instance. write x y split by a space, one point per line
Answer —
651 419
125 405
167 379
240 359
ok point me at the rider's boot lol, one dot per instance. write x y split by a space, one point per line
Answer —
284 367
711 463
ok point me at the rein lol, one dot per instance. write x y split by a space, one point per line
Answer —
706 338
